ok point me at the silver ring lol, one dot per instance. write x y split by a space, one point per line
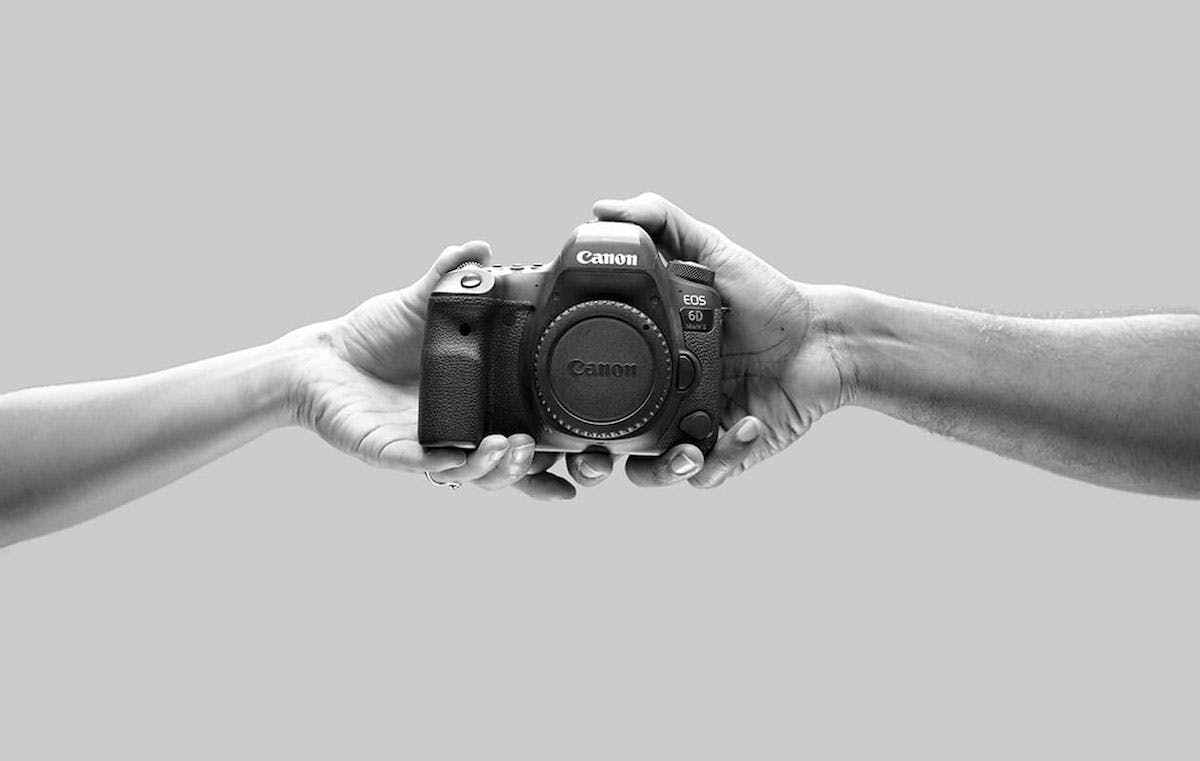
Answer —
447 484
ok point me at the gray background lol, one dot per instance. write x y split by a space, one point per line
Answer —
181 183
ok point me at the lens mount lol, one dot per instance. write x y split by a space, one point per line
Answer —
602 369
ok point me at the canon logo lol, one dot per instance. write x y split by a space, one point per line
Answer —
606 257
602 369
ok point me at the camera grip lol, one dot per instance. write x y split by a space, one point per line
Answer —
470 385
451 405
706 394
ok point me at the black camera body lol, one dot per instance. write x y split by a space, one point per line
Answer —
608 347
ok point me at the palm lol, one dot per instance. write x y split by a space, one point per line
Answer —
776 368
358 386
359 413
361 394
777 365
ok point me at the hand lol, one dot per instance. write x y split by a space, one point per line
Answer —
357 380
780 371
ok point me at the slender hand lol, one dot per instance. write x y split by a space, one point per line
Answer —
357 386
1114 401
68 453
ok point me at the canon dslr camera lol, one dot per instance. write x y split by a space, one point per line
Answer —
610 346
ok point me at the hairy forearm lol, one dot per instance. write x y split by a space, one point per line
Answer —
70 452
1115 401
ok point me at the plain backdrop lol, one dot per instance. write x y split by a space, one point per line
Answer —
181 180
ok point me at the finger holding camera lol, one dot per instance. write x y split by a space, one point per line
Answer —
358 388
779 373
610 350
1106 400
607 349
589 468
542 484
674 466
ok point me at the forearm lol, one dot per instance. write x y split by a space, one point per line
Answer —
1115 401
70 452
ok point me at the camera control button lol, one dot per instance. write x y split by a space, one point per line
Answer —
697 425
471 280
685 372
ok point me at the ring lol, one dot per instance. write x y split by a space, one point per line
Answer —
447 484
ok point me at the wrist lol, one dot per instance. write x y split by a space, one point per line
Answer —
895 350
298 357
848 321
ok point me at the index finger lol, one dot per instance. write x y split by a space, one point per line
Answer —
676 464
678 234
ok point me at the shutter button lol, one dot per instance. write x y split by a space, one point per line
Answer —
471 280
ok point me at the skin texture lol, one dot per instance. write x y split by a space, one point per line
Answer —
780 373
356 384
71 452
1112 401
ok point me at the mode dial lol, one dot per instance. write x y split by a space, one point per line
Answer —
696 273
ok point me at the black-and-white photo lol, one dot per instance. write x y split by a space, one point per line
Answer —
639 381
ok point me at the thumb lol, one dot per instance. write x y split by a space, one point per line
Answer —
450 259
675 232
733 453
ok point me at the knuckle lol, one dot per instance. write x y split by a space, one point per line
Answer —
723 459
706 481
370 452
471 472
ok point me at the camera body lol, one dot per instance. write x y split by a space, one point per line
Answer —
610 346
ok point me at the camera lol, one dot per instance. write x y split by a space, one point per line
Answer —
610 346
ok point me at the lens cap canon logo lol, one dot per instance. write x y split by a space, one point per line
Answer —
602 369
606 257
594 368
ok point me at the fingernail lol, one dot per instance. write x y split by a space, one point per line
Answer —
681 464
523 451
588 470
747 431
